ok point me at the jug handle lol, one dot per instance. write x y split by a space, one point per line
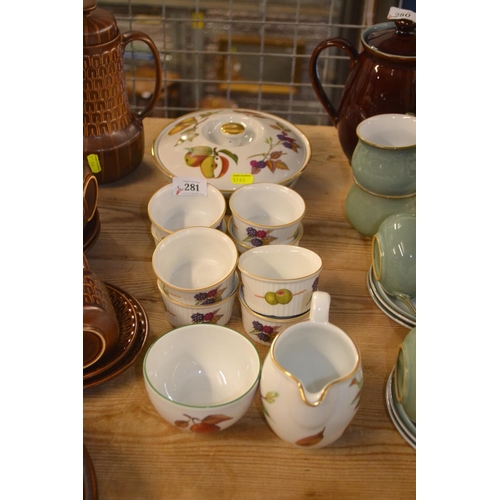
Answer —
131 36
353 54
320 307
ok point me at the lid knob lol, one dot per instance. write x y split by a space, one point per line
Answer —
232 128
232 133
405 25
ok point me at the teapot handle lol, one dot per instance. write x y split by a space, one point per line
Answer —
131 36
353 54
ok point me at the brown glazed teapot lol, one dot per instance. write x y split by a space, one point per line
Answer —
113 137
382 77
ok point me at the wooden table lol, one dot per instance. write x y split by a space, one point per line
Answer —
139 456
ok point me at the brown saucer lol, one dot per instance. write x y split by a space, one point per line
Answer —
91 231
128 324
89 477
132 352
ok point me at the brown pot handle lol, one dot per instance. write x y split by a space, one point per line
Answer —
131 36
339 43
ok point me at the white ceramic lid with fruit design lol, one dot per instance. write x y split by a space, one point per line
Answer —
232 147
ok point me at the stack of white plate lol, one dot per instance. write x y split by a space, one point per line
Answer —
394 307
403 423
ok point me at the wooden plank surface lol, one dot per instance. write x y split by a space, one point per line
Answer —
139 456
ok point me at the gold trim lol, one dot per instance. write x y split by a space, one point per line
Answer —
377 273
236 282
387 148
376 241
389 197
91 179
399 397
379 146
170 231
279 280
327 386
190 290
407 301
268 226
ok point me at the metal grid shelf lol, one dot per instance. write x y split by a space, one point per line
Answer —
238 53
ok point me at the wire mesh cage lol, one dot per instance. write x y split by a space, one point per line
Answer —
240 53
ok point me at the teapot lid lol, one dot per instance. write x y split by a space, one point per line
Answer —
395 38
99 25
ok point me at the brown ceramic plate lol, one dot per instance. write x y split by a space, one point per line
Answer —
89 477
91 232
127 321
135 349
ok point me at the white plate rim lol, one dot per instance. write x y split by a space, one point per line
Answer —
389 302
400 321
405 433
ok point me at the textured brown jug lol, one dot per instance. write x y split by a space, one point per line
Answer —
382 78
110 130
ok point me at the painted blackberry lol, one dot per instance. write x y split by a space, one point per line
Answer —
264 337
257 326
197 318
201 296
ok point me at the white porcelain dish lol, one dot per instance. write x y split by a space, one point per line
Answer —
194 261
157 237
202 378
266 214
263 329
169 212
279 280
232 147
243 247
211 309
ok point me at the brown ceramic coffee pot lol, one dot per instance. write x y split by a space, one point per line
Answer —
113 137
382 77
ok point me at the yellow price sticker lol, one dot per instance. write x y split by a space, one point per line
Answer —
242 178
94 164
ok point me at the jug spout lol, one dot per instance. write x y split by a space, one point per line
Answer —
317 356
311 380
313 398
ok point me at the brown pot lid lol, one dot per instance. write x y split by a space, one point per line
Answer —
397 38
99 25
